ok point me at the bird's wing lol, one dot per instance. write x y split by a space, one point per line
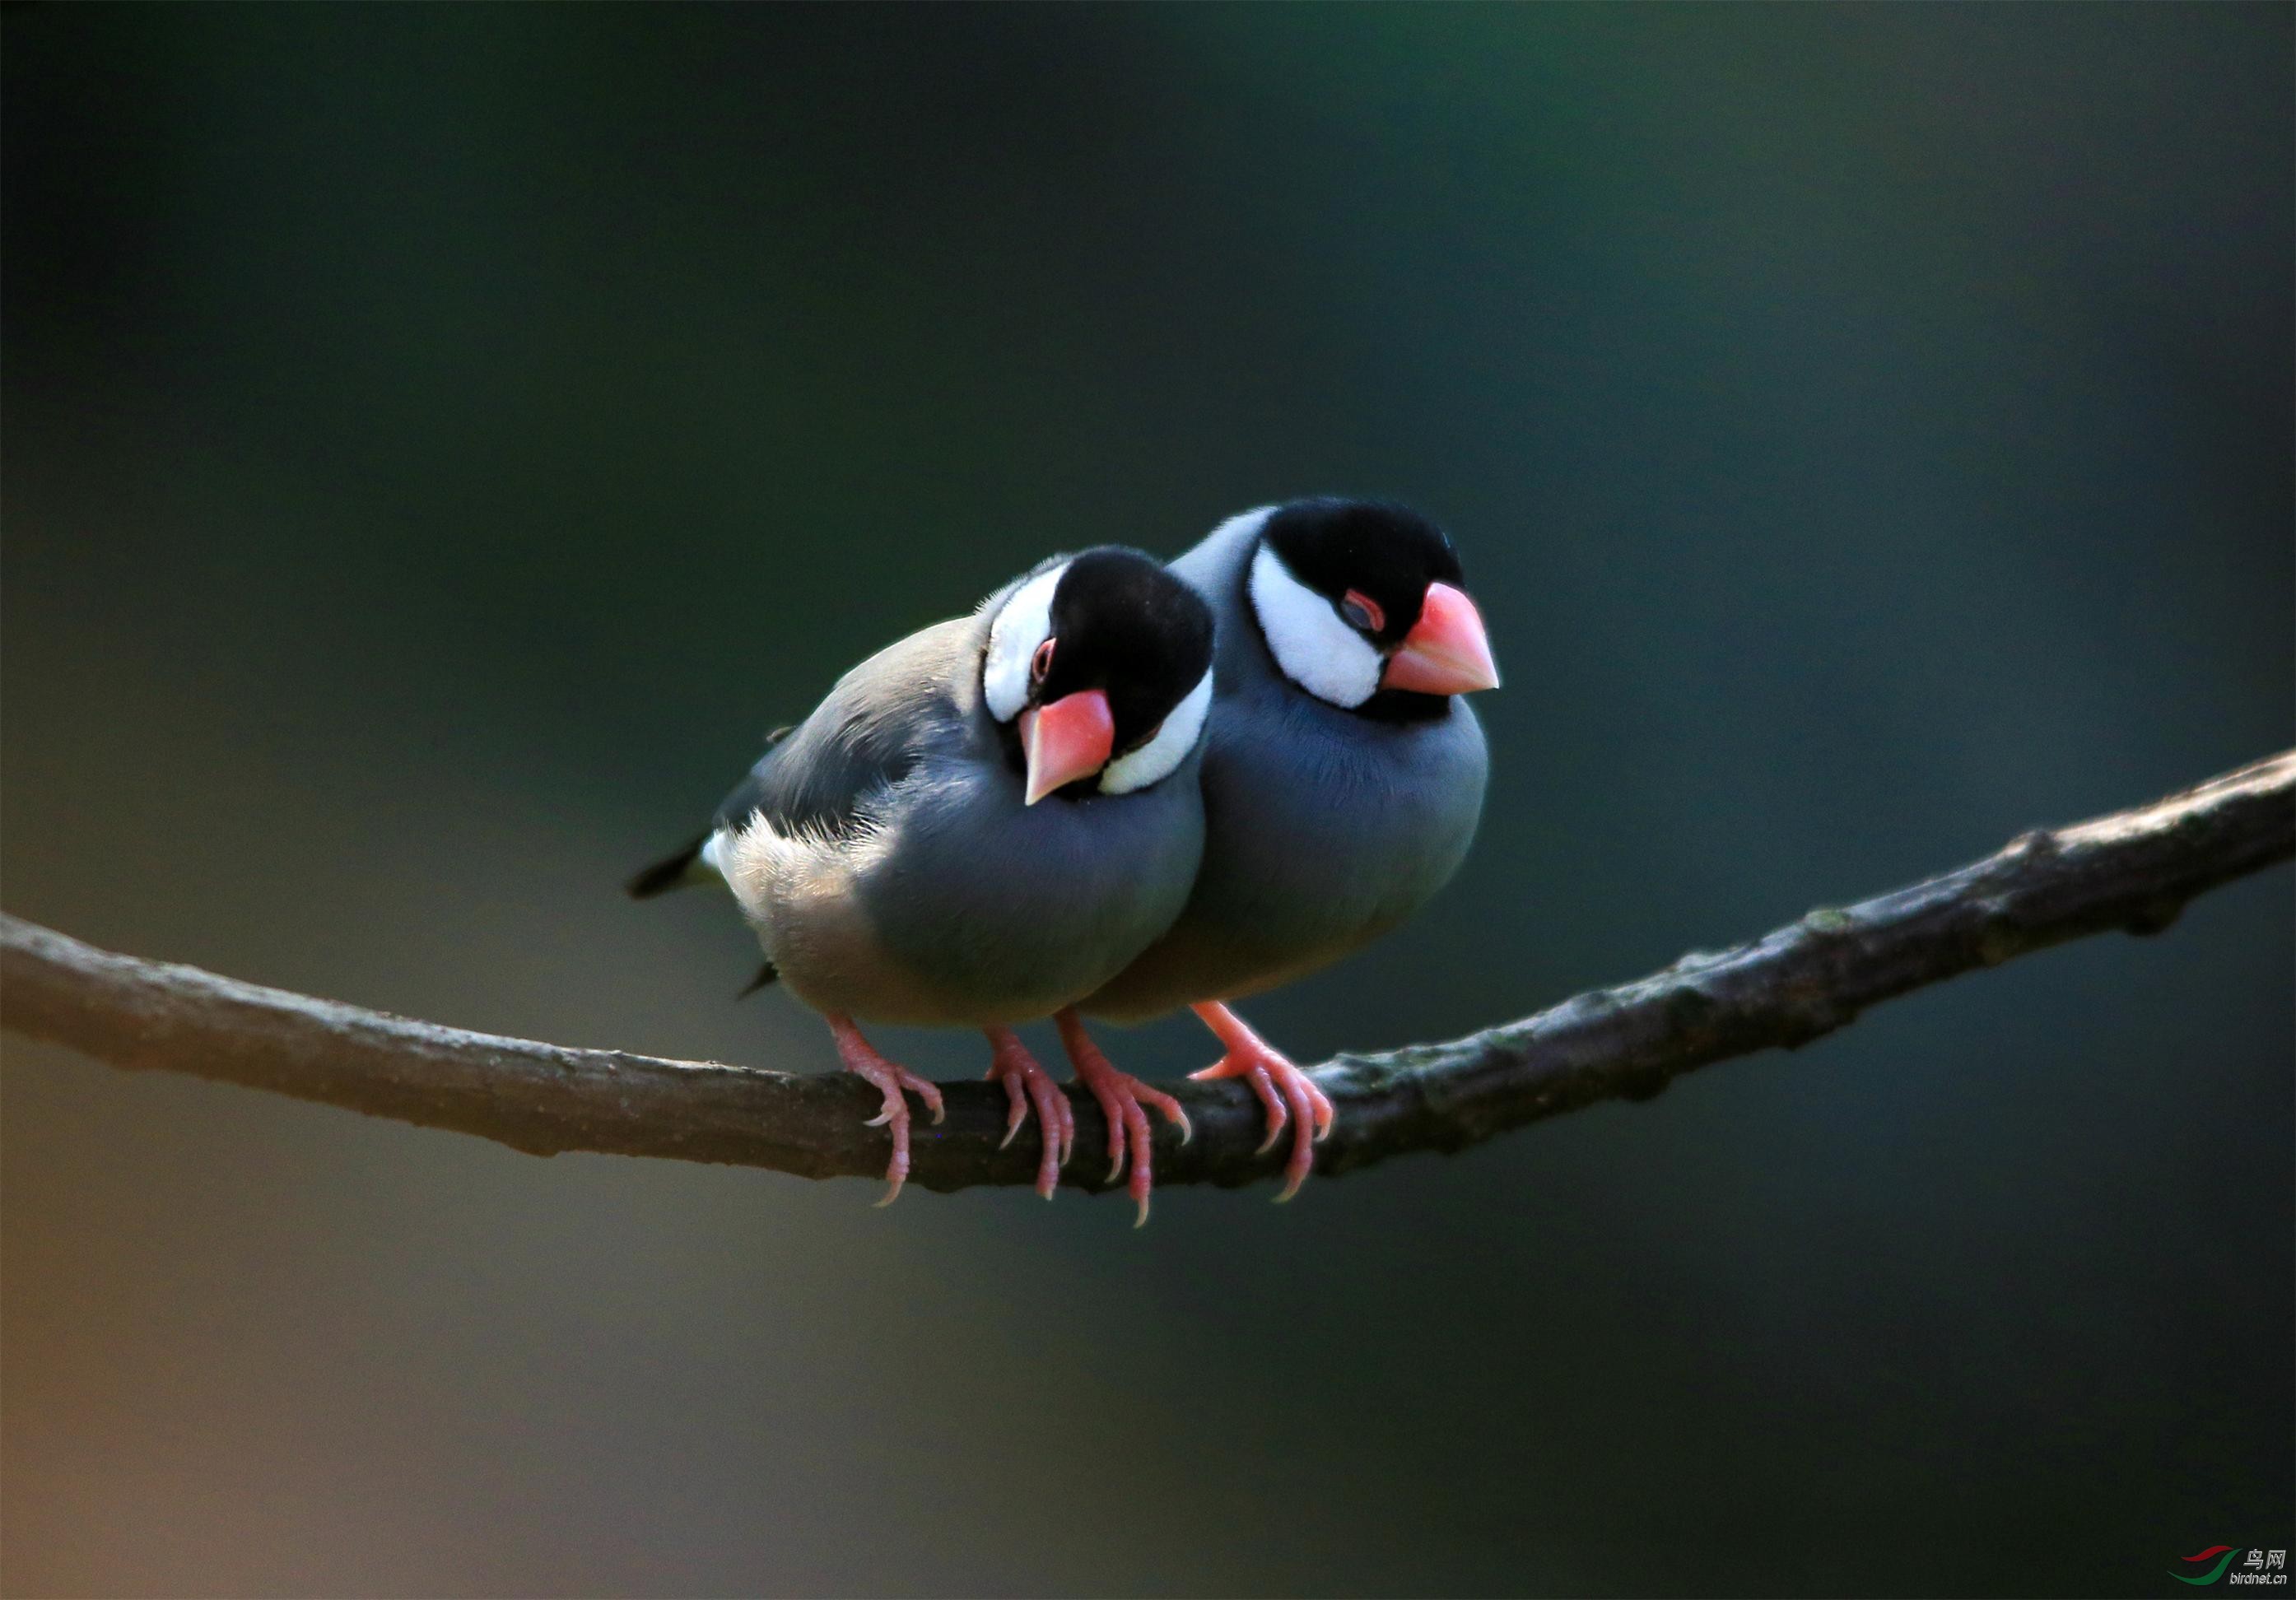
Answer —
900 706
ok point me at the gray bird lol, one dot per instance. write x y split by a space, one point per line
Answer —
979 825
1342 775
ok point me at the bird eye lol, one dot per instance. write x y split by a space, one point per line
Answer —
1041 662
1363 612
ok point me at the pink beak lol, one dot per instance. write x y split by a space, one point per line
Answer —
1067 739
1446 651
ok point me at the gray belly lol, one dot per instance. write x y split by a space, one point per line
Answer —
1318 841
966 909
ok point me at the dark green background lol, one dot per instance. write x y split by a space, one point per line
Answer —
440 440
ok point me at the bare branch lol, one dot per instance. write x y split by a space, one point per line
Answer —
2134 870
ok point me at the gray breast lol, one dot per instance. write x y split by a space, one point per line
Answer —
1009 911
1318 841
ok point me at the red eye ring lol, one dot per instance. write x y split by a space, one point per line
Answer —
1040 665
1363 612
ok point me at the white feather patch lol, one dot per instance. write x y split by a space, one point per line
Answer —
1021 626
1243 525
1183 725
1310 640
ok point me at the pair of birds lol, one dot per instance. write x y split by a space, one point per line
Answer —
1120 788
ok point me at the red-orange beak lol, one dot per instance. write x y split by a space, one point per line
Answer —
1446 651
1070 738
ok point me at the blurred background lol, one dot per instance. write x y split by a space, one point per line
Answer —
439 442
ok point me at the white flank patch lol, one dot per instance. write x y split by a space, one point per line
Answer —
1310 640
1021 626
1182 726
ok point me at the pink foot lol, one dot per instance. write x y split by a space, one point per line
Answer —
1025 1084
1289 1094
862 1059
1120 1096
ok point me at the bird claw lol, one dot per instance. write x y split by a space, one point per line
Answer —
1015 1094
1122 1097
1289 1095
1027 1084
889 1079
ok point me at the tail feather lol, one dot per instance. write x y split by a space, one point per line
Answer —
673 872
767 973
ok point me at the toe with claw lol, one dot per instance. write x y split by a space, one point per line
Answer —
889 1078
1289 1095
1122 1097
1026 1085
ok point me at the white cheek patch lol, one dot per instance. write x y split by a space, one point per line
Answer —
1182 726
1020 627
1314 646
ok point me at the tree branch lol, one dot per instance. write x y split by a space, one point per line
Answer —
2133 869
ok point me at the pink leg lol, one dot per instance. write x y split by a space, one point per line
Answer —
1120 1096
1027 1083
1289 1094
863 1060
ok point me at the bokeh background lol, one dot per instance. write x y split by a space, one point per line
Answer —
440 440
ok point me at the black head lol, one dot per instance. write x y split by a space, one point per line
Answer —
1376 550
1360 604
1122 624
1115 653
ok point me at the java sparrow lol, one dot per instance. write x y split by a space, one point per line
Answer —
1342 774
979 825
